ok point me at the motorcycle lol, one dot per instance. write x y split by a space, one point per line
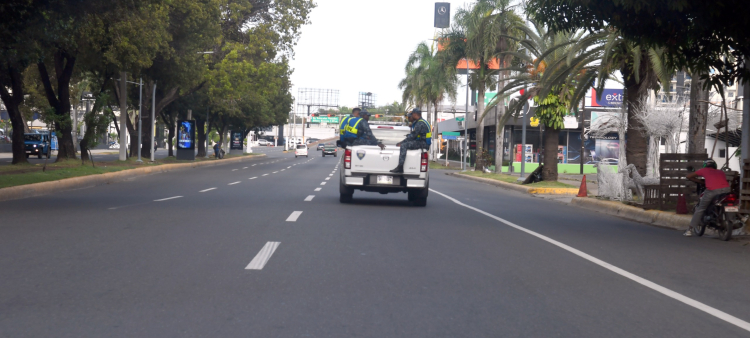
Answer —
721 215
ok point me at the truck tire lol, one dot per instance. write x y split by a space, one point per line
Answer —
418 197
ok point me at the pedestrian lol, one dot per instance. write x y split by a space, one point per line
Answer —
419 138
344 123
217 150
364 132
716 184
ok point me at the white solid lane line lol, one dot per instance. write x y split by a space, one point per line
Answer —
252 178
318 189
309 198
263 256
168 198
293 217
233 183
322 183
640 280
209 189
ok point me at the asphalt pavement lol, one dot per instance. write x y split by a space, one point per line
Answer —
263 248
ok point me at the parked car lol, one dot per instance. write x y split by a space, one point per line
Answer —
37 144
264 142
301 150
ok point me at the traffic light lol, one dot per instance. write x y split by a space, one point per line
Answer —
330 115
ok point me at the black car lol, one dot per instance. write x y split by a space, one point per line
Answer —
329 149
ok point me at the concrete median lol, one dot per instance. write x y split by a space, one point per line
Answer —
518 187
44 188
655 217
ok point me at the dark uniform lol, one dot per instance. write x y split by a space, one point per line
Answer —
415 140
364 135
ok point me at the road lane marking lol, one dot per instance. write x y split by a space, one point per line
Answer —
260 260
318 189
309 198
293 217
640 280
330 175
289 167
275 172
323 183
234 169
328 178
253 165
168 198
209 189
264 175
283 169
244 168
233 183
252 178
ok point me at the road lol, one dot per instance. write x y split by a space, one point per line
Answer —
264 249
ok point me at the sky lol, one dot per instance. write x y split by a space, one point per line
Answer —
362 46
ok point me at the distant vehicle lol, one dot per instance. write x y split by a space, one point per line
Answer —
321 146
368 168
329 149
301 150
264 142
607 161
37 144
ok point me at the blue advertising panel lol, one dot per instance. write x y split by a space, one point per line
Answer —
186 134
610 98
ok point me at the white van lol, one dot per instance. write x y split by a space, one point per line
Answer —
301 150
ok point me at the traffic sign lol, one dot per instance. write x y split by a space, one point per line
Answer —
459 119
449 137
451 133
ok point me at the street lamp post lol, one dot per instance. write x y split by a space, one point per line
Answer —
153 121
465 148
140 121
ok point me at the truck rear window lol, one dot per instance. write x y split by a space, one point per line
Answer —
389 137
301 146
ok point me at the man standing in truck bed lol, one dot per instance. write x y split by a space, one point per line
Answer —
419 138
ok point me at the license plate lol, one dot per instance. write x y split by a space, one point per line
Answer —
382 179
28 151
731 209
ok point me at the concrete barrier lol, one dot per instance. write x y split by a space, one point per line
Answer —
655 217
518 187
43 188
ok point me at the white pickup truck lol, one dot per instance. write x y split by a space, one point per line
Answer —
367 168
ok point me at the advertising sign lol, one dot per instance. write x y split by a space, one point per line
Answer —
442 15
325 119
186 134
236 140
610 98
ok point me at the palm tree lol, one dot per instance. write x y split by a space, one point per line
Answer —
480 35
550 69
428 80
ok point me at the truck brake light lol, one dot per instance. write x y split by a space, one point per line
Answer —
348 159
423 167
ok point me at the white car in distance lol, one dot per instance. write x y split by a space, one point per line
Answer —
301 150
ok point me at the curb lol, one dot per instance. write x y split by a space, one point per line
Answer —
520 188
655 217
43 188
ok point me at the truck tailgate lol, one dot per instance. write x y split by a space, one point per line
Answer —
373 160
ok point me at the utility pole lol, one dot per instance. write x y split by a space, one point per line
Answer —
153 121
140 121
123 116
465 149
523 138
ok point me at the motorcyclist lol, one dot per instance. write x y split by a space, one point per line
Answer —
716 184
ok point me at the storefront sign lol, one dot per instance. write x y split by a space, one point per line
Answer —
610 98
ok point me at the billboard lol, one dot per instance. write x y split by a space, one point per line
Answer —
186 134
442 15
610 98
236 140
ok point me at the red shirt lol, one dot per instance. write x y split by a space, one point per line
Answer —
715 179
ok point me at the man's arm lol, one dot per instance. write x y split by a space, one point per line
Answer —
694 177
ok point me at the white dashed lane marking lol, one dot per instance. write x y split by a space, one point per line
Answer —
328 178
318 189
275 172
309 198
322 183
233 183
168 198
209 189
264 175
252 178
293 217
244 168
234 169
263 256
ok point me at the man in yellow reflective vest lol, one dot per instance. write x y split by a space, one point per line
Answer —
419 138
344 123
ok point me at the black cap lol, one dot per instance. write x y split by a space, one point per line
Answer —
364 113
416 111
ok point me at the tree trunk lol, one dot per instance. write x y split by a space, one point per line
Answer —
551 140
170 137
12 102
59 99
698 116
500 130
200 126
637 141
480 127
